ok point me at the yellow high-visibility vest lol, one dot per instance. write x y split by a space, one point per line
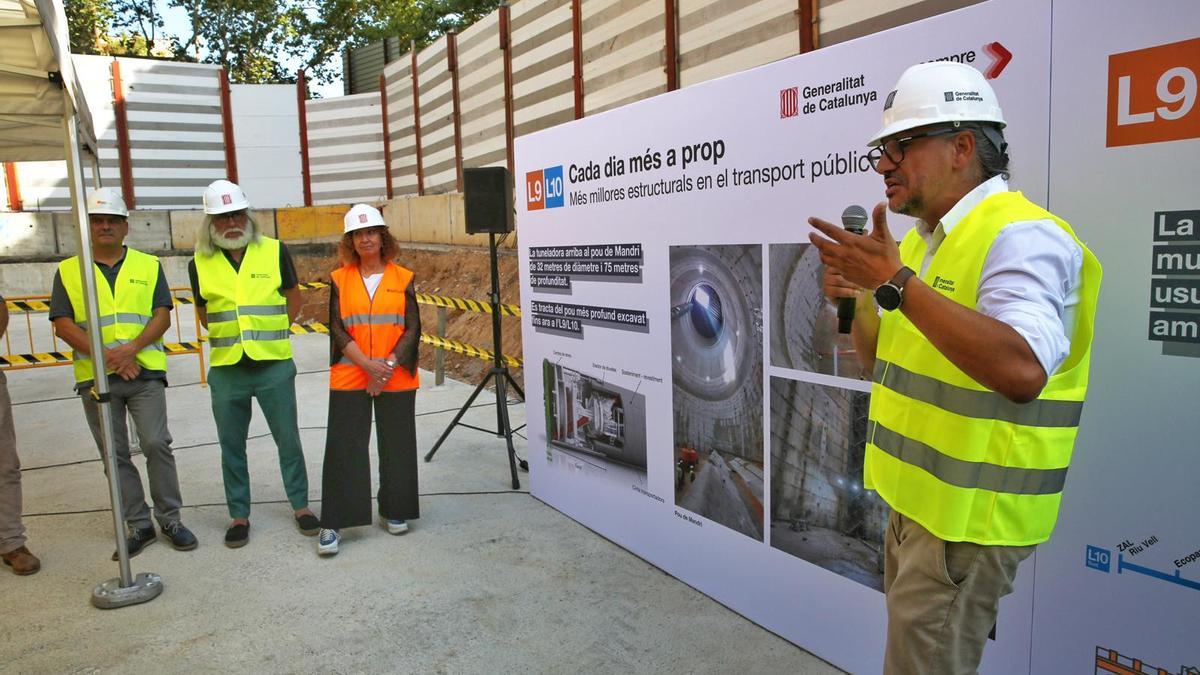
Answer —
965 462
246 311
124 311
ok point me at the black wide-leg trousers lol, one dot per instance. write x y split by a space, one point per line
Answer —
346 478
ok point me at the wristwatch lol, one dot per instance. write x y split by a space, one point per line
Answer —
890 293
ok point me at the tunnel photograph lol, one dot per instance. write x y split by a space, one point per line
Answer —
716 368
820 511
804 323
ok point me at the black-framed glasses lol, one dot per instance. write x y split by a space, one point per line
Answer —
231 215
894 148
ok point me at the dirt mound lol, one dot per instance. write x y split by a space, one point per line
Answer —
444 270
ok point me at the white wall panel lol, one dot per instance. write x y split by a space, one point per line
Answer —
266 132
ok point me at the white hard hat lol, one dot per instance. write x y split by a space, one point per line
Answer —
362 216
941 91
222 197
106 201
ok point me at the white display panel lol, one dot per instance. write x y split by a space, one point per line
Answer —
685 282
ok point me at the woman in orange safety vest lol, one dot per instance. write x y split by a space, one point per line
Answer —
374 331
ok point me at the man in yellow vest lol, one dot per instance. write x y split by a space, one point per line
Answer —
135 310
977 331
246 293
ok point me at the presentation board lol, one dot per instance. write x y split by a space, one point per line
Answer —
689 396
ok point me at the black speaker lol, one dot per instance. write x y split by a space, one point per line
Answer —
488 193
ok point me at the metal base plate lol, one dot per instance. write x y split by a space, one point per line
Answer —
111 595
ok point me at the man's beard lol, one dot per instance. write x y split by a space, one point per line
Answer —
221 241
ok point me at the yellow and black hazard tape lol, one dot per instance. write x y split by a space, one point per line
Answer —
42 306
427 338
469 350
56 358
41 359
28 306
463 304
181 348
311 327
466 305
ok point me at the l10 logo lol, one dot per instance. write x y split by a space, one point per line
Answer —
1098 558
544 189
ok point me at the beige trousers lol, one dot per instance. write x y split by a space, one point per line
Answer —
942 598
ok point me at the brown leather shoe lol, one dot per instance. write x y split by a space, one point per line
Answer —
22 561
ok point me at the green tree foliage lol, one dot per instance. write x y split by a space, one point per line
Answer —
118 28
254 39
87 22
251 38
350 23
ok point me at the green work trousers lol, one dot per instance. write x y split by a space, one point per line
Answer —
273 383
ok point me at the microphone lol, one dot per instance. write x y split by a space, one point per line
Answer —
854 219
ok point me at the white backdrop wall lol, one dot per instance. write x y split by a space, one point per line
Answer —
266 133
595 327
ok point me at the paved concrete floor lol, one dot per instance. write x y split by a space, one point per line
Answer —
489 579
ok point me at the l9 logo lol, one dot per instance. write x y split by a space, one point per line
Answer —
1152 94
544 188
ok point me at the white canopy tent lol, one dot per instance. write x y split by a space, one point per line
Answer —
38 88
43 116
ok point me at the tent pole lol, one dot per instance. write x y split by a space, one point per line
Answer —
125 590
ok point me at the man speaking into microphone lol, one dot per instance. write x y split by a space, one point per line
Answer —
977 327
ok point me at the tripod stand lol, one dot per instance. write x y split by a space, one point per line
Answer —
501 377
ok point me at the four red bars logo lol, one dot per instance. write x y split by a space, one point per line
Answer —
789 102
362 217
226 199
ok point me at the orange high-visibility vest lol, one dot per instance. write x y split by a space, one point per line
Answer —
376 324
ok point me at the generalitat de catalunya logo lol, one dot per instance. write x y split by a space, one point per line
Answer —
1152 94
544 188
998 59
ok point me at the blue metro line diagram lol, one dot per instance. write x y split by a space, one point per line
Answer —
1173 578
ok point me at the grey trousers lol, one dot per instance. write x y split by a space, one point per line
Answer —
12 532
146 402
